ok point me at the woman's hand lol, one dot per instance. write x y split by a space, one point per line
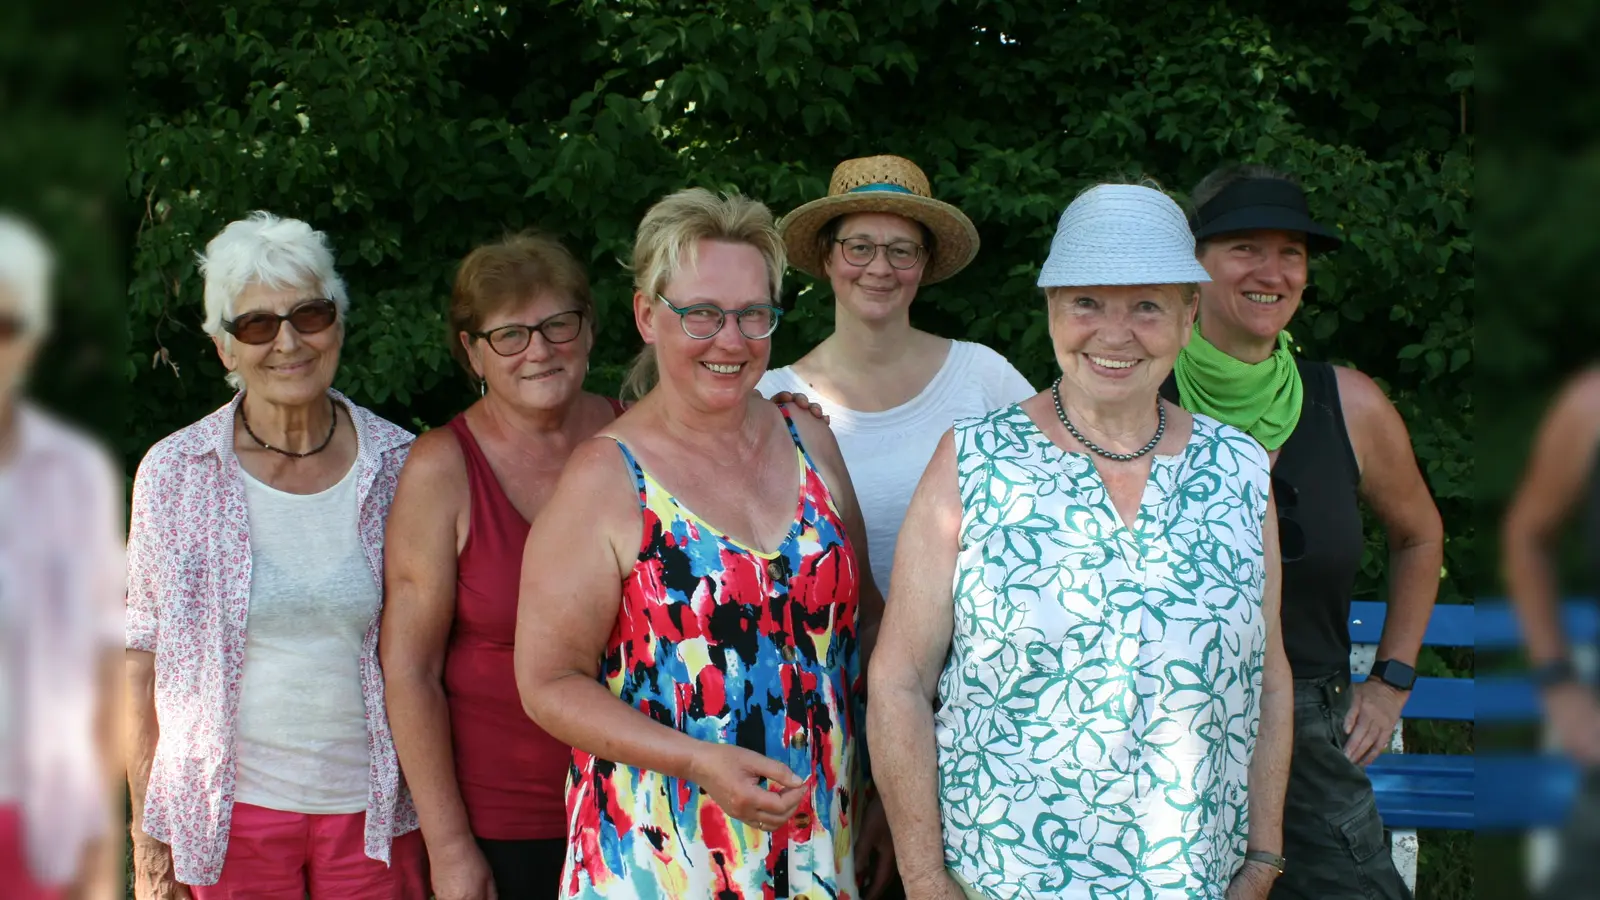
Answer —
875 850
459 872
1253 881
783 397
732 776
1574 713
153 878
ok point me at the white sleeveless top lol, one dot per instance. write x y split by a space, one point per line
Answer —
1102 694
302 732
886 451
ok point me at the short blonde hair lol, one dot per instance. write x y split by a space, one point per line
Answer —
668 241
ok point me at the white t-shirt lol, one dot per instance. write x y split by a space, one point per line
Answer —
302 729
887 451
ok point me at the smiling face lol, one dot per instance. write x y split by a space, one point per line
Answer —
1118 343
719 372
1257 280
544 375
877 290
293 369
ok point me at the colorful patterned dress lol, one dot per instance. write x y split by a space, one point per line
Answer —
734 646
1102 695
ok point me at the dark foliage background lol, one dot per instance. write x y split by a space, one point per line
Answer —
411 130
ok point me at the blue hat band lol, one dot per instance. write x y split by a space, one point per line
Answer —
881 186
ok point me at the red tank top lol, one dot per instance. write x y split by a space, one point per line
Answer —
512 774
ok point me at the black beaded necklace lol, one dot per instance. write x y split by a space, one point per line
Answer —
333 425
1161 428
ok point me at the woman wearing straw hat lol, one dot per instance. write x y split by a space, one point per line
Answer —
889 388
1091 603
1333 437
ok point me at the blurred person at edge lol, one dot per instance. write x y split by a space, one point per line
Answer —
1560 479
1085 599
890 389
258 750
60 583
706 666
488 783
1333 438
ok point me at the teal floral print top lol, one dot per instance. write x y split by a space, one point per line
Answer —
1102 694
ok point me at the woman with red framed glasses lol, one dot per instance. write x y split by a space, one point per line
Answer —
259 755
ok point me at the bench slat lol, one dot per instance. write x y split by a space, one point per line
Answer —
1451 625
1450 699
1424 791
1498 628
1515 793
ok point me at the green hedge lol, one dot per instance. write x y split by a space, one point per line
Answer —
411 131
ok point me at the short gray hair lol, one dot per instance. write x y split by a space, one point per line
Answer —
26 266
264 249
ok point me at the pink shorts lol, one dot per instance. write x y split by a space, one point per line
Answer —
275 855
15 876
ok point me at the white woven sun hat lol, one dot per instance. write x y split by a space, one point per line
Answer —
1121 234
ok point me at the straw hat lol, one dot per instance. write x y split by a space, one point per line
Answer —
1121 234
884 184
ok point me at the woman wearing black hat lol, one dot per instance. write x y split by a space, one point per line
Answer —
1332 437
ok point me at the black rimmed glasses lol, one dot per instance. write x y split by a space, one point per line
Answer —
861 252
310 317
1291 537
509 340
702 321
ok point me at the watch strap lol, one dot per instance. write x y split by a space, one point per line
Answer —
1262 856
1555 672
1382 668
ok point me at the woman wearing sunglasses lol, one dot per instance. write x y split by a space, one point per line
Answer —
693 617
489 784
259 756
1333 437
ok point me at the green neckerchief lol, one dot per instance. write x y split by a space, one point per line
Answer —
1261 399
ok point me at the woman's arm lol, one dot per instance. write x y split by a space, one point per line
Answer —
904 679
425 532
1269 764
580 549
153 876
1392 485
1557 475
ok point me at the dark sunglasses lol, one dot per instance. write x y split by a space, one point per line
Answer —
309 317
1291 537
11 328
509 340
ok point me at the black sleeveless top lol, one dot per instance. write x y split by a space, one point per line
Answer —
1319 526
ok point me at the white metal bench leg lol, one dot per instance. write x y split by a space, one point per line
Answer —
1543 845
1405 856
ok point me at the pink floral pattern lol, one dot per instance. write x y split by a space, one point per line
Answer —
188 597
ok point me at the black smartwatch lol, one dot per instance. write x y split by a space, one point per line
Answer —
1395 674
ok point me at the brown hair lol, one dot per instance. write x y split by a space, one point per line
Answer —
516 268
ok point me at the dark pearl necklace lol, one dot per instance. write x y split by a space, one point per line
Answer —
333 425
1161 428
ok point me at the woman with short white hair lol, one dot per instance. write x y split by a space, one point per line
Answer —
259 755
60 579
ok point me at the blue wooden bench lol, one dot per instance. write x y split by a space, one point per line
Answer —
1484 791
